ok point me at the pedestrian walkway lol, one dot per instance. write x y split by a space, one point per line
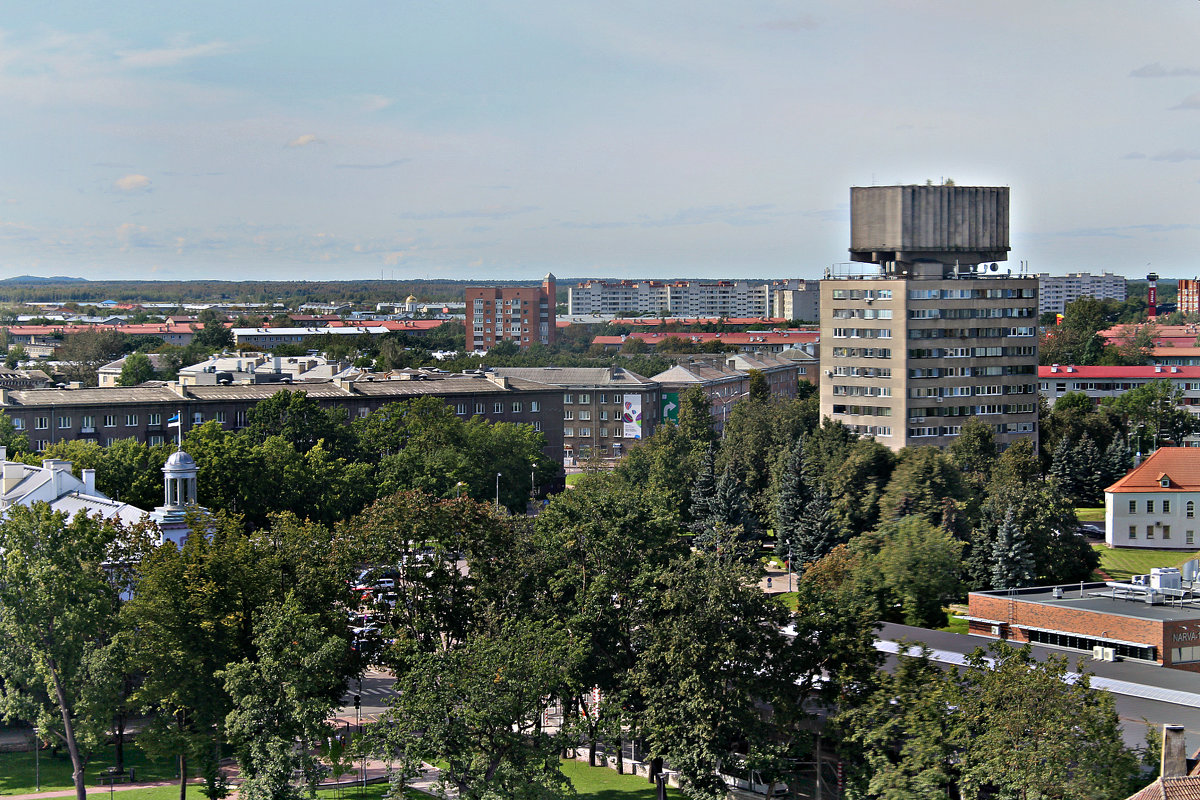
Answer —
373 772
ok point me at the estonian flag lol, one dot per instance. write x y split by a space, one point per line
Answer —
173 422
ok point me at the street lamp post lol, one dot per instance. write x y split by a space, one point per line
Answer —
533 480
497 491
458 489
725 408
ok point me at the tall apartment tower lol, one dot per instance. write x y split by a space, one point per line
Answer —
933 332
523 314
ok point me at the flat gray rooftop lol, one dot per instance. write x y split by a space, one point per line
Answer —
1098 598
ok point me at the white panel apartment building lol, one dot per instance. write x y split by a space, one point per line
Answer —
683 298
1056 292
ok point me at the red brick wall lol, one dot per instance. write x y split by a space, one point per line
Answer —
1063 618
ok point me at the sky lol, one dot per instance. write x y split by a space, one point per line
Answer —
412 139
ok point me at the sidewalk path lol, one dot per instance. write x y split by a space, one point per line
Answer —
376 771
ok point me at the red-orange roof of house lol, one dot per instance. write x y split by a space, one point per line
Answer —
1179 465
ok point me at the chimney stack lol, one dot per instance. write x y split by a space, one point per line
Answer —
89 481
1174 752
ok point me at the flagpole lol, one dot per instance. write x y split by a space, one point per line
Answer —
179 430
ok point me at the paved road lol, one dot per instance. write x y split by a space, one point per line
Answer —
1143 693
376 689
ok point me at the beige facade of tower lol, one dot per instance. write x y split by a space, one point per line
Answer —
908 360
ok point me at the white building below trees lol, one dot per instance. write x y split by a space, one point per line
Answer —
1155 505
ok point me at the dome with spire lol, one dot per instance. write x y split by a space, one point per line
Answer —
179 463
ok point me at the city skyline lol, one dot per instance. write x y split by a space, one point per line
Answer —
507 140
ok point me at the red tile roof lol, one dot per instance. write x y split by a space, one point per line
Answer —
1181 465
1186 787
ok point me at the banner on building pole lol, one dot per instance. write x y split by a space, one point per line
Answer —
631 416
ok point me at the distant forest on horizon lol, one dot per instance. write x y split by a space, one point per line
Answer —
28 289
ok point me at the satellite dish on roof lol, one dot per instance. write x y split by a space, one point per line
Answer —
995 267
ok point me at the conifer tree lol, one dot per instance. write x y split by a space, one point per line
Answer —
792 498
1012 561
1089 467
819 530
1117 461
704 489
1062 468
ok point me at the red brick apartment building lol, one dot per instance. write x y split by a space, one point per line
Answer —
522 314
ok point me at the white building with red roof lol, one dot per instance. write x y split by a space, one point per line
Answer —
1155 505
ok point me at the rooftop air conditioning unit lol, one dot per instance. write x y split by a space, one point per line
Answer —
1109 654
1097 653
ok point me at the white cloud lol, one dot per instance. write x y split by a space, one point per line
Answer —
132 182
171 55
1157 70
304 140
1189 103
375 102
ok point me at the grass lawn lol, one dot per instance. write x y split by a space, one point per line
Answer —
790 599
955 625
602 783
1090 514
574 477
17 770
1120 563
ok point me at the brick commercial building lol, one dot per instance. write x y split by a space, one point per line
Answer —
1134 621
523 315
605 409
142 412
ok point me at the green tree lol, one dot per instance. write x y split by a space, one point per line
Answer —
58 622
1117 462
857 484
213 334
84 352
1012 563
137 369
605 536
702 671
1034 733
15 441
695 419
477 708
760 389
1064 470
1157 407
186 622
973 453
664 465
909 740
281 700
1047 520
16 354
922 480
918 565
299 420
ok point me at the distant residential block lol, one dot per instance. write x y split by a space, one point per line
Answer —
523 315
1056 292
789 299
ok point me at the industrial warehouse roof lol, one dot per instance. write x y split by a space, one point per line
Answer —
1096 598
1180 466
